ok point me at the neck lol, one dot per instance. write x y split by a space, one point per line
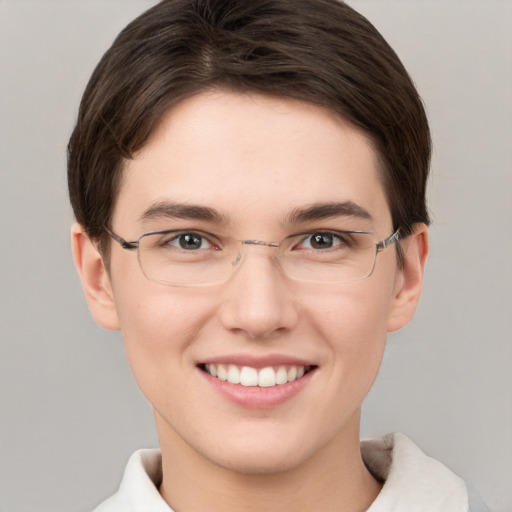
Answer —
334 478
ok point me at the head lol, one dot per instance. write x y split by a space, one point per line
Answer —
317 51
255 112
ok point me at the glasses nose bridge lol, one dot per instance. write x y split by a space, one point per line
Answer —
260 242
241 252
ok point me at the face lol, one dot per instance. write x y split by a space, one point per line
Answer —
254 161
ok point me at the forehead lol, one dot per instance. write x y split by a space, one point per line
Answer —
253 159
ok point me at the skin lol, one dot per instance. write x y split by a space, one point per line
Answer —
255 159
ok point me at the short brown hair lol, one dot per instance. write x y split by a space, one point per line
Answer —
318 51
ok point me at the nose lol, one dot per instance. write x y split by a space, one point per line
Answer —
258 302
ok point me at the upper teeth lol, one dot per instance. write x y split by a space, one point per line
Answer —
248 376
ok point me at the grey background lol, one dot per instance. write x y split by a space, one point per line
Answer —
70 413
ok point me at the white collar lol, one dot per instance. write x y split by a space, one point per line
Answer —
413 482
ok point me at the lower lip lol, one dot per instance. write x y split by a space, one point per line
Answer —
255 397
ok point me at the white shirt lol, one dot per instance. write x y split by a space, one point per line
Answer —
413 482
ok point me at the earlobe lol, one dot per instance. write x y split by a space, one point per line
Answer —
410 279
95 279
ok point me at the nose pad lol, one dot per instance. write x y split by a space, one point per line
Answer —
257 300
237 259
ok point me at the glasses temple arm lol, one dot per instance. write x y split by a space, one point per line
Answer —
389 240
121 241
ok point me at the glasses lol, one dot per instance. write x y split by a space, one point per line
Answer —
197 258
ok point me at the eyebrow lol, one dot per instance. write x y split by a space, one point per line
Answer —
171 210
317 211
320 211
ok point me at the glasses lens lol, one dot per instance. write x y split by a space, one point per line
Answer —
183 259
194 259
339 257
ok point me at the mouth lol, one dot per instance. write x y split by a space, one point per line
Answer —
248 376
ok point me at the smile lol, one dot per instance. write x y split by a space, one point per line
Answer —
252 377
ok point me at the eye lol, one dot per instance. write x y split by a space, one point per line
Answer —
319 241
188 241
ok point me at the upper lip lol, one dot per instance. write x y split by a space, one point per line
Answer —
257 361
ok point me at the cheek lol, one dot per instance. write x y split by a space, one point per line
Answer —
164 323
150 313
159 325
356 315
353 322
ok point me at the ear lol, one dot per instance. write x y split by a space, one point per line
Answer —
95 279
410 278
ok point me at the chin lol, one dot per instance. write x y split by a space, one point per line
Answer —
262 455
259 463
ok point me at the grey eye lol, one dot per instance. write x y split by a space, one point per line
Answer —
189 242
